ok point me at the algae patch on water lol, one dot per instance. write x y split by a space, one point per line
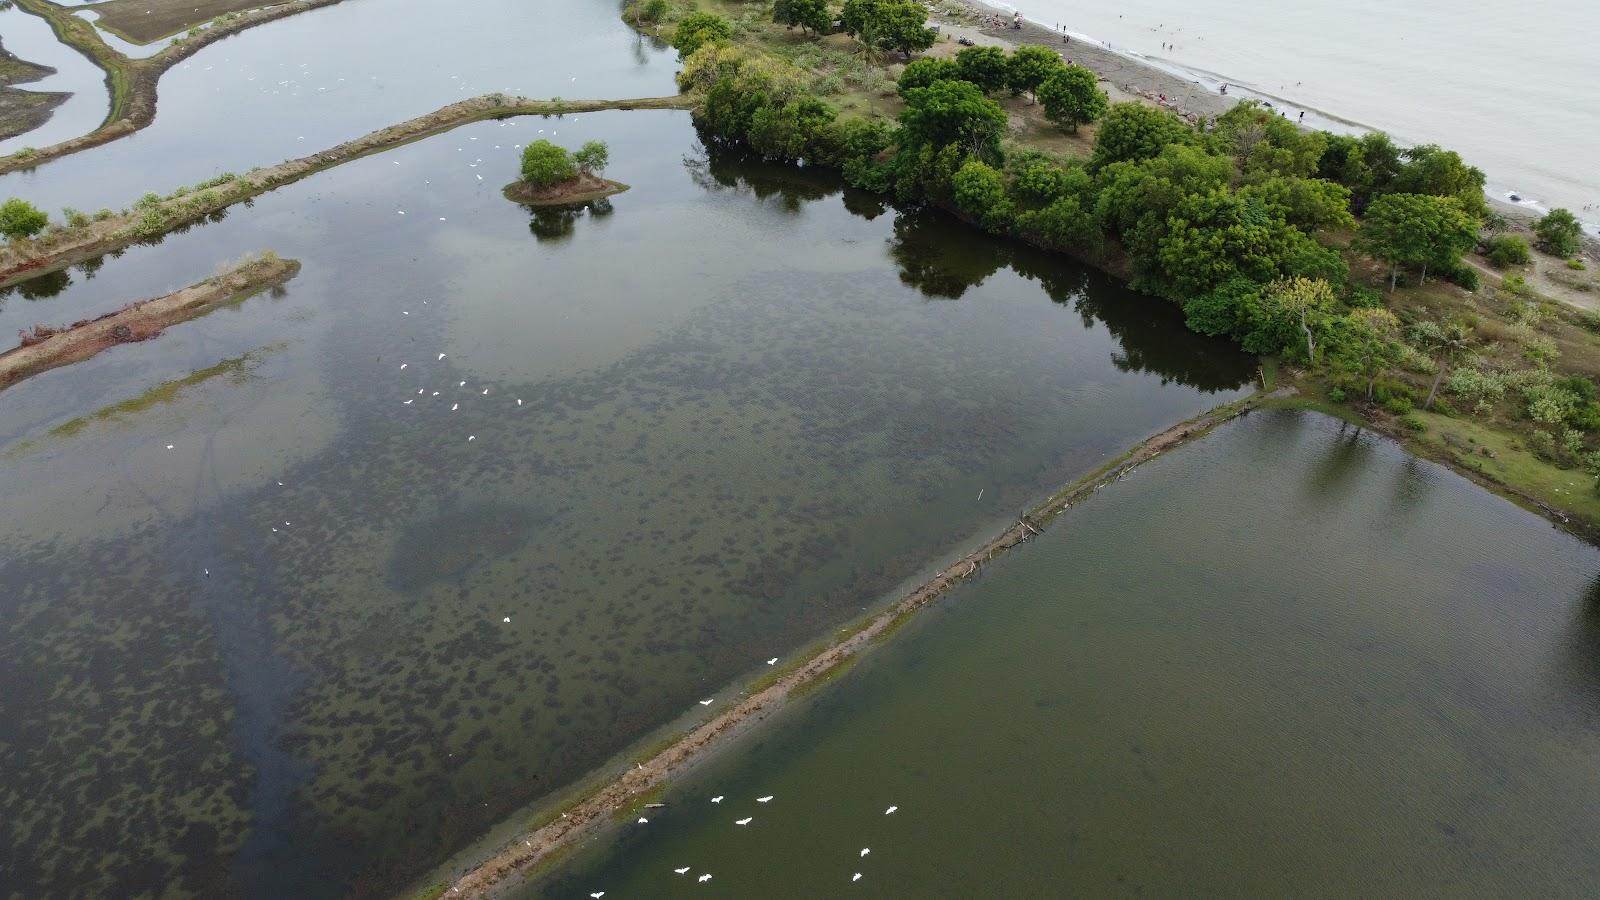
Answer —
452 542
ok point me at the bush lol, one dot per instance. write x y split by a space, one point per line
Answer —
1361 297
1558 233
21 219
1543 445
592 157
1459 273
1413 422
652 11
1398 405
1336 394
75 218
1507 250
1576 264
546 165
1516 284
698 29
1072 97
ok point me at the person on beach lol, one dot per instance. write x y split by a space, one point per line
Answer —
1224 90
1302 117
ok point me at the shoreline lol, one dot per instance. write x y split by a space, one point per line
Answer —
23 110
46 349
528 850
581 190
1141 79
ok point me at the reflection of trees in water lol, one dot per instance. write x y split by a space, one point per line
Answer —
552 224
938 260
1579 661
944 258
40 288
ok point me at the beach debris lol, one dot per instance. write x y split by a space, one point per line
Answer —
682 871
890 810
744 821
717 799
766 799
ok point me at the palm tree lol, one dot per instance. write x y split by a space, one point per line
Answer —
1446 344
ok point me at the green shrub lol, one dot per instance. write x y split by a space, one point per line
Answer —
1413 422
652 11
1576 264
698 29
1558 233
1543 444
75 218
1398 405
1336 394
545 165
1362 297
1516 284
1507 250
104 214
1572 441
1460 273
1541 350
592 158
21 219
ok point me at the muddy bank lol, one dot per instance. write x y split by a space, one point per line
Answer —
583 189
526 851
20 261
132 82
23 111
43 348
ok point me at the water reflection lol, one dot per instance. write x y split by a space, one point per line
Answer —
554 224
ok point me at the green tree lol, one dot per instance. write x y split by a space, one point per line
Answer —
1133 131
1213 237
1264 143
789 132
925 71
810 15
857 14
952 112
1445 343
698 29
592 158
1364 342
1028 68
1437 172
1558 233
1288 312
1305 203
21 219
1072 97
888 24
985 67
980 192
1417 230
546 165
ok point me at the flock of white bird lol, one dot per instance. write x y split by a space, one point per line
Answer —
707 876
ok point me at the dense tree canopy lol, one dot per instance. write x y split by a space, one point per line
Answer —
809 15
1558 233
1417 231
986 67
952 112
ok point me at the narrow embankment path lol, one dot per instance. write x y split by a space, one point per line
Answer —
22 260
49 349
131 82
526 851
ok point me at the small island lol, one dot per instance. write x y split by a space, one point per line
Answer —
552 176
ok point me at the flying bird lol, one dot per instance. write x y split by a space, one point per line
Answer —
682 871
717 799
856 877
744 821
643 821
764 799
707 702
705 878
865 850
773 661
890 810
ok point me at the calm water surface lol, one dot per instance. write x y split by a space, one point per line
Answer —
254 603
1286 661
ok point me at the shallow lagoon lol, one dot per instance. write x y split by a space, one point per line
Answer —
1287 660
273 659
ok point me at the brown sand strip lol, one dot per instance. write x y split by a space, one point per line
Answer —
45 349
526 851
20 261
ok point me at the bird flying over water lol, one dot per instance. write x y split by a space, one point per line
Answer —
764 799
744 821
682 871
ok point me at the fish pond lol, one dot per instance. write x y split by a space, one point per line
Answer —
1286 660
311 592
